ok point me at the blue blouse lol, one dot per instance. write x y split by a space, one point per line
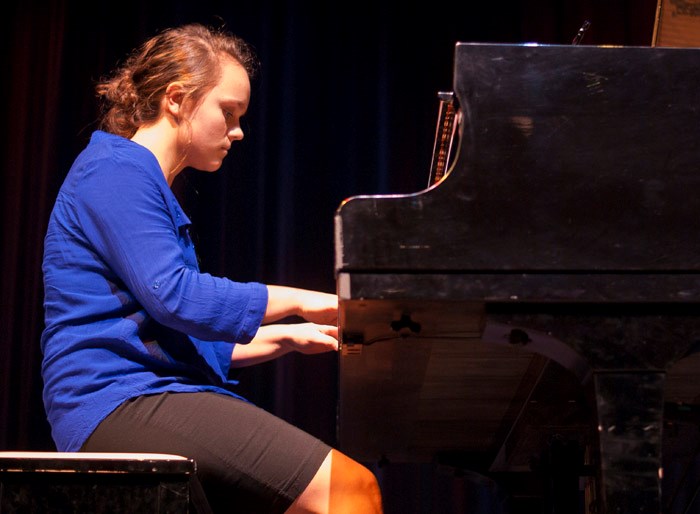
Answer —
127 310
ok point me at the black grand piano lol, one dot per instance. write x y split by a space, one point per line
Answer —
533 314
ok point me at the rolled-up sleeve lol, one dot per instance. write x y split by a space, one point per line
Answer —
135 225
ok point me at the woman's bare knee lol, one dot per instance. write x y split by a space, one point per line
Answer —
341 485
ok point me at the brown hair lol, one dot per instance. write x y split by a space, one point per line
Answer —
189 54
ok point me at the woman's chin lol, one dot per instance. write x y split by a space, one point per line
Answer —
210 167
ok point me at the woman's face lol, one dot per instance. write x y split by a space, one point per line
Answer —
215 122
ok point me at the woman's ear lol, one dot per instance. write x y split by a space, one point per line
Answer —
173 99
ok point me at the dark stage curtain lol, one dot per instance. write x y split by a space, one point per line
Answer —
345 104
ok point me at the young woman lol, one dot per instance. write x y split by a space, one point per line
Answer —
138 342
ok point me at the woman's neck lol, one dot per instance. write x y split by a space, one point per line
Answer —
161 139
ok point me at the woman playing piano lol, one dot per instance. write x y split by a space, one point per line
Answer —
138 341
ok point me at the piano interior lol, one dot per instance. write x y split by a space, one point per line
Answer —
531 317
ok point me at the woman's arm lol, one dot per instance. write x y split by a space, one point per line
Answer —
313 306
272 341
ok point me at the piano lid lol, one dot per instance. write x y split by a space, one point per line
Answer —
570 158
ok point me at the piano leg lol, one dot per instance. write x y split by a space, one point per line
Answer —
630 417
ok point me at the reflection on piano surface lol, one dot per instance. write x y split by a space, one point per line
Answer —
532 315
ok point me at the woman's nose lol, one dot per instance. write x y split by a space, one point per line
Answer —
235 133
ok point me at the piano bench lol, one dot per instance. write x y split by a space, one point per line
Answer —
96 483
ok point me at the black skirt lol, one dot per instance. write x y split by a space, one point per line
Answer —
248 460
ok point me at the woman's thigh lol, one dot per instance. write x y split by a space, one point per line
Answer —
247 459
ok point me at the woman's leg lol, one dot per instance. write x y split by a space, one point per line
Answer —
340 486
248 460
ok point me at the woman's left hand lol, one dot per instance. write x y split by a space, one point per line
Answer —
272 341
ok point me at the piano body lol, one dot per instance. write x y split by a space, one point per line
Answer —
542 298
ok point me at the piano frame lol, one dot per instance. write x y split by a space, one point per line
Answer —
562 238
